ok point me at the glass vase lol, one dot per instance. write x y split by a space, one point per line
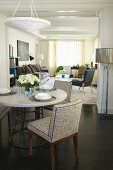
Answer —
29 91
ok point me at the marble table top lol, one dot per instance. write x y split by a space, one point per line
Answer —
21 100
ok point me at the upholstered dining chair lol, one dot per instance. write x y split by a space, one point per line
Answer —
86 81
62 125
63 85
81 71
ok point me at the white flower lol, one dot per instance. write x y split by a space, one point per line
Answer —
28 80
32 82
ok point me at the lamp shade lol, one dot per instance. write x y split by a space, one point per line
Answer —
104 55
30 24
31 58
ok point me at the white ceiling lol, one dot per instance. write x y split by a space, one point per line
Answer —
69 18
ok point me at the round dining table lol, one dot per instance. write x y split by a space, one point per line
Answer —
21 100
17 100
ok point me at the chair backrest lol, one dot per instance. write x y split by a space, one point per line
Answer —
68 69
64 85
81 71
88 77
65 120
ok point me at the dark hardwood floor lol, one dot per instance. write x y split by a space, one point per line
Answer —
95 148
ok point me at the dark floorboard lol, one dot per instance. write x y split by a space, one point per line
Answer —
95 148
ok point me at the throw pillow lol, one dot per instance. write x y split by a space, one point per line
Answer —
19 71
36 67
27 69
32 68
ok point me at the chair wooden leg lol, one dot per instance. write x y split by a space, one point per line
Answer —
52 155
30 141
75 141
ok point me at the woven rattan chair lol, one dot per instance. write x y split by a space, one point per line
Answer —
63 124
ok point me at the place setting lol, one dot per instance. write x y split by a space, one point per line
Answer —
43 93
6 91
41 96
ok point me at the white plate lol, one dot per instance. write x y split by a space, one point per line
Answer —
43 96
4 91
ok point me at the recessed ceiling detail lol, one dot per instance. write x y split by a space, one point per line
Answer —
27 24
67 17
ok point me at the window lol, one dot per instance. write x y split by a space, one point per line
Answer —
69 53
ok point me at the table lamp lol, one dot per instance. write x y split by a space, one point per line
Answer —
31 58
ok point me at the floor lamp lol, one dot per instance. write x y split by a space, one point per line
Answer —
105 56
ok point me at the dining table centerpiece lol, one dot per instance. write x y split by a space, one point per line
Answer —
29 81
60 71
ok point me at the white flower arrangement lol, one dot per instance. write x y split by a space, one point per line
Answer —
28 81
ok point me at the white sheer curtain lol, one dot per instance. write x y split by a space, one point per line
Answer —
69 53
52 57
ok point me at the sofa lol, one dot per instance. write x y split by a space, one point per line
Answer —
35 69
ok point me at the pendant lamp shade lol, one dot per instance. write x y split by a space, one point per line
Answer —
28 24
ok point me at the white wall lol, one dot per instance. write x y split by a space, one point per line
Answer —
89 50
10 36
4 60
44 50
13 35
105 41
